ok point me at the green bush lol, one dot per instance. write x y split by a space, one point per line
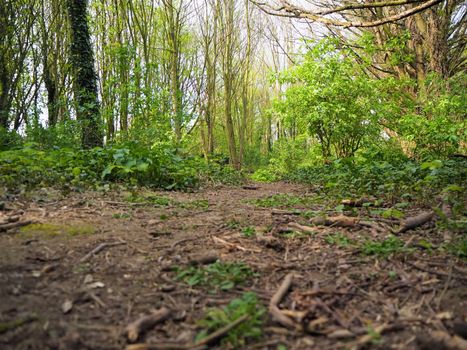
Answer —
131 163
386 180
217 318
219 276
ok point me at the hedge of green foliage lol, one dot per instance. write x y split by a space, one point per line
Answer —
161 167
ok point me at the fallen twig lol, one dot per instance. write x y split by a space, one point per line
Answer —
236 246
136 328
100 248
11 225
132 204
367 338
338 221
250 187
8 219
201 344
302 228
286 212
213 337
274 310
164 346
8 326
438 273
173 245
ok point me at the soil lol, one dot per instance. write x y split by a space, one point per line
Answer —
55 293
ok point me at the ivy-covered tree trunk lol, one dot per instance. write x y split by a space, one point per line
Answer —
4 74
84 75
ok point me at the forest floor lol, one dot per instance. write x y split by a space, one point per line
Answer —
92 264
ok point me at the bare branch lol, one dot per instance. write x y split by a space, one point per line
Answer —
293 11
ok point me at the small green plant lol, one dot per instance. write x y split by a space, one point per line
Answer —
388 246
374 335
248 231
121 216
196 204
217 318
295 234
219 275
338 239
81 268
458 247
232 224
392 213
424 244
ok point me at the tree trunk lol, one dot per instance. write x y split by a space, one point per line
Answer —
84 76
4 74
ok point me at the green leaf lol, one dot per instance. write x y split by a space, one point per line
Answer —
76 171
435 164
107 171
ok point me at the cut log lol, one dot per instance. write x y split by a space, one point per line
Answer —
416 221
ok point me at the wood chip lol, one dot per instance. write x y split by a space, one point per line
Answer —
67 306
340 334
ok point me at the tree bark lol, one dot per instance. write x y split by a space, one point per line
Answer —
84 76
4 74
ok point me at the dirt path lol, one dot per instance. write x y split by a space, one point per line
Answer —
56 294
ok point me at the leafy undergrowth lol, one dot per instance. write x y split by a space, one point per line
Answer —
390 182
386 247
98 168
216 276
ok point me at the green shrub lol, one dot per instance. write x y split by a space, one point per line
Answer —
220 276
217 318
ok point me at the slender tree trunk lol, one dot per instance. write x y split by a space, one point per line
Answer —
228 73
5 104
84 76
173 33
245 89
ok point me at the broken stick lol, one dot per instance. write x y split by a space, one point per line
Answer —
302 228
213 337
233 245
11 225
136 328
274 310
200 344
338 221
100 248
